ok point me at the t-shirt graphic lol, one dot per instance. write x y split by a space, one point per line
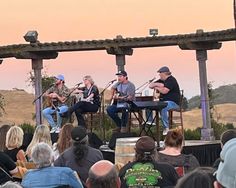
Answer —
142 174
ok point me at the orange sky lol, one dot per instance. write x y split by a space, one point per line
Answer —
99 19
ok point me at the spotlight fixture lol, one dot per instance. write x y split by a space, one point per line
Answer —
31 36
153 32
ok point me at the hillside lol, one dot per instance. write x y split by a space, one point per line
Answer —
221 95
19 109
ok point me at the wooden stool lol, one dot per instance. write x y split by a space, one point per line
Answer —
176 115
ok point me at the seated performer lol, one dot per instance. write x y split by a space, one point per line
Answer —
123 90
57 94
90 102
169 92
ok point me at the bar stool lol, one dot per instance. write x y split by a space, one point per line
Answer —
176 115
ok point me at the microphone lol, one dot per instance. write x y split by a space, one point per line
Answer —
152 80
112 81
79 83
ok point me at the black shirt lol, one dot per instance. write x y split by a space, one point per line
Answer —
12 153
93 89
148 174
174 93
7 164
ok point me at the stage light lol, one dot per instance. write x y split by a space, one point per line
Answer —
31 36
153 32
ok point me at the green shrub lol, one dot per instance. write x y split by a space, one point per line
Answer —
219 128
194 134
27 128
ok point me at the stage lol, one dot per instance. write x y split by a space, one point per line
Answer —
205 151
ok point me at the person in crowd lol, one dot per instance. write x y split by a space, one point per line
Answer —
225 137
47 175
90 101
41 134
14 141
3 133
57 95
79 157
103 174
200 177
172 153
11 184
168 88
144 170
123 91
7 168
226 172
64 140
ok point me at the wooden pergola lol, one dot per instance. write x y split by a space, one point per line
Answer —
120 47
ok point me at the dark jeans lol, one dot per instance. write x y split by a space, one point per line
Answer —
82 107
113 111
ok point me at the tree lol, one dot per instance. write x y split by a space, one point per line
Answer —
2 104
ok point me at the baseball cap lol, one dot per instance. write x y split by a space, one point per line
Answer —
145 144
60 77
122 73
163 69
78 133
226 172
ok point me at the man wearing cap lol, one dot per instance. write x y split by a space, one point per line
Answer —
144 170
226 172
122 92
80 156
168 88
57 94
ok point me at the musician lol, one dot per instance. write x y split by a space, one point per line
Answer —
57 94
122 91
90 101
169 92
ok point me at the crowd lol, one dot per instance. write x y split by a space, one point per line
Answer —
72 162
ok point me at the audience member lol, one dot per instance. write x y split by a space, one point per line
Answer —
172 153
14 141
79 157
41 134
225 137
64 140
47 175
11 184
3 133
7 168
201 177
103 174
145 171
226 172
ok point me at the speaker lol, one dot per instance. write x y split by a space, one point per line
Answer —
112 142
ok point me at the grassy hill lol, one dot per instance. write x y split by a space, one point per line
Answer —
19 109
221 95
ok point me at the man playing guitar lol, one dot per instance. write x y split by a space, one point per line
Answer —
122 91
57 94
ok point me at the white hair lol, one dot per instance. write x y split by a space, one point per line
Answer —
42 155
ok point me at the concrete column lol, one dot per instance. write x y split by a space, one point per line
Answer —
206 132
37 65
120 62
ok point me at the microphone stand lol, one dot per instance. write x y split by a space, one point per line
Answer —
37 98
142 86
102 121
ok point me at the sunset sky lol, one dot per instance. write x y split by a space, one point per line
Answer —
70 20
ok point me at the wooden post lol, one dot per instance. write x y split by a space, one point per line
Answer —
37 65
120 62
206 131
